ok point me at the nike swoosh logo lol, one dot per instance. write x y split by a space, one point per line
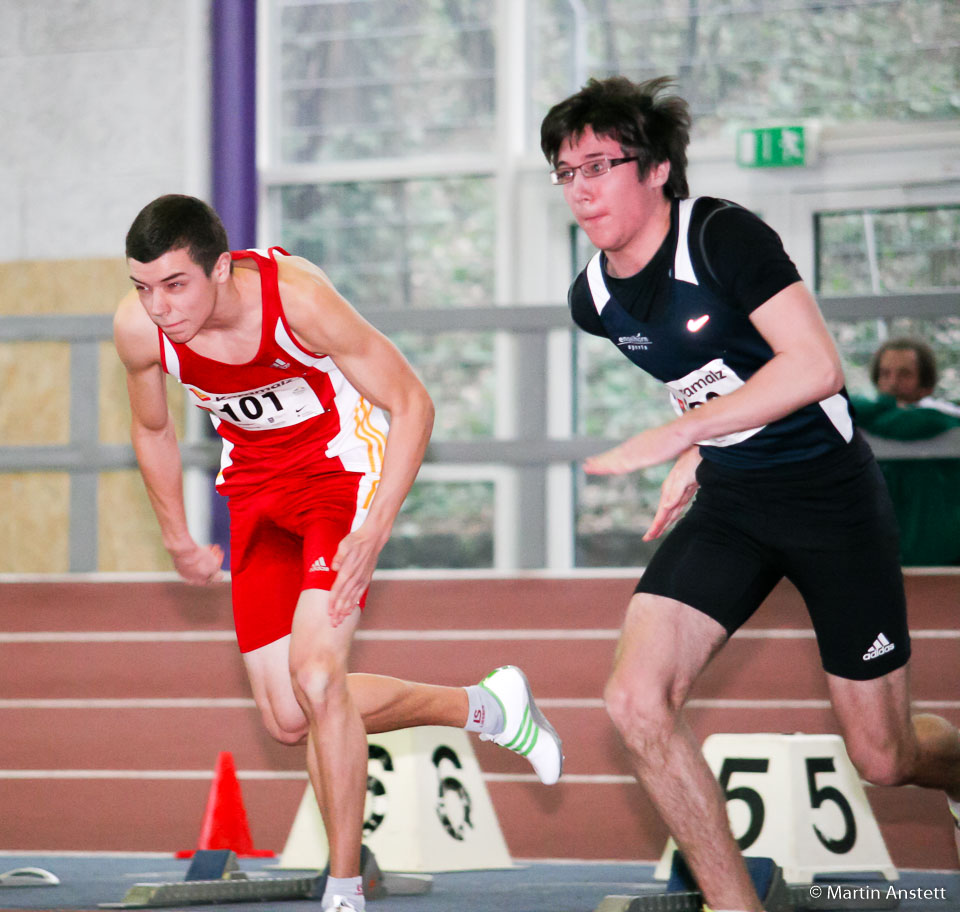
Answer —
698 324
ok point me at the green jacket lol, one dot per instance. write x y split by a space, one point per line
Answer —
925 492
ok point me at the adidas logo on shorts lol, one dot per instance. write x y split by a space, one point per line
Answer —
320 565
881 646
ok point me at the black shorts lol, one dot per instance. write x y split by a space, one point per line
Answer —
826 524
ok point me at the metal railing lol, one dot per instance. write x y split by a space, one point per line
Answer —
84 457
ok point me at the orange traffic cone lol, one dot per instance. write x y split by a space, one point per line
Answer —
225 820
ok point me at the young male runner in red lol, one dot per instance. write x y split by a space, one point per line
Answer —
298 385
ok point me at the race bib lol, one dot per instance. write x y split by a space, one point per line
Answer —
713 379
281 404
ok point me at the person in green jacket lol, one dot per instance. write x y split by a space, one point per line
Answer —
925 492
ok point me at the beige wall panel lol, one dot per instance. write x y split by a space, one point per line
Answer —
114 405
62 286
34 529
129 537
35 397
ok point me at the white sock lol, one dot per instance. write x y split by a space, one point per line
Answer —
485 714
348 887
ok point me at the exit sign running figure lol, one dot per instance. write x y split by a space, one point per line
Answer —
772 147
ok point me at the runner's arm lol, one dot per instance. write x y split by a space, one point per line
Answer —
325 323
155 444
805 368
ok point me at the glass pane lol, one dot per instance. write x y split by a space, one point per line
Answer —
377 78
858 340
457 369
888 250
885 251
614 399
405 243
612 513
443 525
748 61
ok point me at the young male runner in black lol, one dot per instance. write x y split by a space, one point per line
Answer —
700 294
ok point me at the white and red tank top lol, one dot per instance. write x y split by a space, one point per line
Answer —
288 412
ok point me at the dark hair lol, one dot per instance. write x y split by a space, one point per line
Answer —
926 360
177 222
654 127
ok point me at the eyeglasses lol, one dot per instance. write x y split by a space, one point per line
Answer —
592 168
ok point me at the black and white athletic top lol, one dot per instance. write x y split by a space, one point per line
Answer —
685 319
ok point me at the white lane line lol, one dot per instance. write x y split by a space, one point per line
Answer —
597 703
261 775
228 636
217 636
418 575
120 636
76 853
145 774
266 775
205 636
545 702
130 703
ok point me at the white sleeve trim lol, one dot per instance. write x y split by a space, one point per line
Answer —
682 264
598 288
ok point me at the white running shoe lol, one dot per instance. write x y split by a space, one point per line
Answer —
525 728
340 904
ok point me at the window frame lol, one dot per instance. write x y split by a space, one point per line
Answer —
534 450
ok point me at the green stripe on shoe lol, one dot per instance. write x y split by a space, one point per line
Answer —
520 736
529 739
532 733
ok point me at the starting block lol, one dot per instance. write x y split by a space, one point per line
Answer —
214 877
683 895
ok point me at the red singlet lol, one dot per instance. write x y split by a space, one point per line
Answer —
302 453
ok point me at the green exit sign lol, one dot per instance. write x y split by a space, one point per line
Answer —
772 147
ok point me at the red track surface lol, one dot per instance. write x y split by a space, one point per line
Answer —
576 819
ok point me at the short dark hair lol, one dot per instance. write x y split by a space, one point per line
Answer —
653 126
178 222
927 375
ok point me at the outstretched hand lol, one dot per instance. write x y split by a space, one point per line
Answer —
648 448
675 493
354 563
200 565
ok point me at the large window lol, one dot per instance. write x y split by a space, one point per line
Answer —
378 113
887 251
740 60
399 243
399 150
443 524
358 79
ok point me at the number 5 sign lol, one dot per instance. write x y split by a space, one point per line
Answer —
798 800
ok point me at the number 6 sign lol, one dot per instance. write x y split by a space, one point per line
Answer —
796 799
427 808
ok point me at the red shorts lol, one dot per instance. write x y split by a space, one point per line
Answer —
282 541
